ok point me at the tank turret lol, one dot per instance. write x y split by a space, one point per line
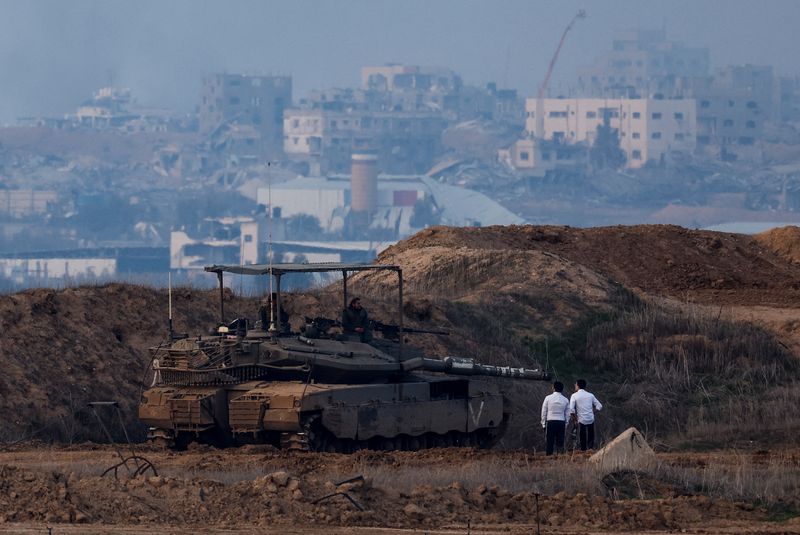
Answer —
320 389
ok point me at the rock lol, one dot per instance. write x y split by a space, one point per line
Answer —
155 481
413 509
280 478
297 495
293 485
628 451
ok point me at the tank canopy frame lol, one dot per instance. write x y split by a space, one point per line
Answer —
278 270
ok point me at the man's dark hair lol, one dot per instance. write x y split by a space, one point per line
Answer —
354 300
581 383
558 386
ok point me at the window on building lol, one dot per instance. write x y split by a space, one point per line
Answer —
233 101
637 115
333 125
752 104
636 155
546 156
656 135
295 140
557 114
731 103
750 124
524 156
636 135
235 82
746 141
591 114
678 116
727 122
250 142
295 123
705 104
248 238
656 115
679 136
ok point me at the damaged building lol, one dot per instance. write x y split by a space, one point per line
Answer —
256 101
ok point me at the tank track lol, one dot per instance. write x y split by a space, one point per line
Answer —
317 438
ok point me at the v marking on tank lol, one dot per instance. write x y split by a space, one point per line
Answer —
476 417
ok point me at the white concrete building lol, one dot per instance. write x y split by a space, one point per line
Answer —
648 129
232 240
48 270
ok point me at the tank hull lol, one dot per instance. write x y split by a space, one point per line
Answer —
419 412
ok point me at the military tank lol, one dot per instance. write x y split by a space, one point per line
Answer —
315 390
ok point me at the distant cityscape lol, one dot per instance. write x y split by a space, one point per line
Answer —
647 133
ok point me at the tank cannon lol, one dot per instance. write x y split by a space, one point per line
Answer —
317 390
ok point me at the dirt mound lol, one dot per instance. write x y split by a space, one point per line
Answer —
64 348
702 266
784 241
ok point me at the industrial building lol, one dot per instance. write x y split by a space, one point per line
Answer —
390 202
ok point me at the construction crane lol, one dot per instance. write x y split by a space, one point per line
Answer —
543 89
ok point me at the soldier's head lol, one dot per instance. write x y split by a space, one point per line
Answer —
580 384
558 386
355 303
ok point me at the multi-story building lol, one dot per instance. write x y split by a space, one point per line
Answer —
644 63
397 77
789 98
252 100
648 129
406 142
734 105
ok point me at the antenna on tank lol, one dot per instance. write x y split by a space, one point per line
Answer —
169 293
272 305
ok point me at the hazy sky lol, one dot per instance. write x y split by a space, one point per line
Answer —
54 53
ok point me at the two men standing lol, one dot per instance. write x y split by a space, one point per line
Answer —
557 411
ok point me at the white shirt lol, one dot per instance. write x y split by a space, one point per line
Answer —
555 407
582 403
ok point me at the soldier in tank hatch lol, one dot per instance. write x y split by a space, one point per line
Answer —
355 320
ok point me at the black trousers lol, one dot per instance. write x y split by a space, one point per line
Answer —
586 436
555 435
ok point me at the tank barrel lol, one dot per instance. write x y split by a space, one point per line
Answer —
463 366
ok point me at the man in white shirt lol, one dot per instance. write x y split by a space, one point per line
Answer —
555 411
582 405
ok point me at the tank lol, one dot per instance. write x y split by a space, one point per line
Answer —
319 390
